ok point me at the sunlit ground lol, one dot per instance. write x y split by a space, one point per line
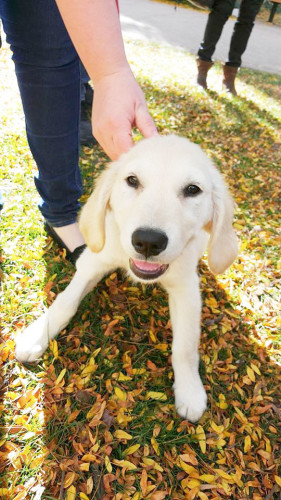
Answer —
95 417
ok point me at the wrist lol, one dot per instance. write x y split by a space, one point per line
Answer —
118 71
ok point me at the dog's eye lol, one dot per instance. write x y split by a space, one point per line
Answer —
191 190
132 181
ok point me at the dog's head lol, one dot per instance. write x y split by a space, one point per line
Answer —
163 193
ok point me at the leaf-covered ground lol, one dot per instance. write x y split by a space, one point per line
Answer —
95 418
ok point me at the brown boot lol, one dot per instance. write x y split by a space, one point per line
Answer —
229 75
203 68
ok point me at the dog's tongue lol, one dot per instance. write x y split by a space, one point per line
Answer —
146 266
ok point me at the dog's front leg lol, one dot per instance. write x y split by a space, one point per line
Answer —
185 311
31 344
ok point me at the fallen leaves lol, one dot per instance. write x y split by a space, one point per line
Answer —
95 418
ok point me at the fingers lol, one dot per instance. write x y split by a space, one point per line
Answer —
145 123
119 105
114 136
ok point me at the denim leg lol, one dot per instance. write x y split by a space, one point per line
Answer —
217 18
47 69
242 30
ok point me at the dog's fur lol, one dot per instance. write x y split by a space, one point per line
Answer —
163 166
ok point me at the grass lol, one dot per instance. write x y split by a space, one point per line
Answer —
95 417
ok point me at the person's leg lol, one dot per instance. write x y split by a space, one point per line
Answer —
242 31
217 18
47 68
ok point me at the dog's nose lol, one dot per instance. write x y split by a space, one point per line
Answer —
149 242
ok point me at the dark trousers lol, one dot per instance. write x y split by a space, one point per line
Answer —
218 16
47 69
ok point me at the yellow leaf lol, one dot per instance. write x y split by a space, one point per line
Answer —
200 434
202 495
155 446
152 336
96 352
247 444
73 416
217 428
226 488
148 461
222 403
54 348
120 394
138 371
90 368
170 426
187 468
207 478
119 434
243 419
4 492
36 462
278 480
108 464
83 496
251 374
85 467
60 377
132 449
160 396
125 464
69 478
193 483
123 378
136 496
89 457
255 368
224 475
71 493
161 347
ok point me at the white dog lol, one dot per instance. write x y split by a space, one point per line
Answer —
151 213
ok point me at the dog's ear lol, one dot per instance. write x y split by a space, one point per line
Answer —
223 243
92 218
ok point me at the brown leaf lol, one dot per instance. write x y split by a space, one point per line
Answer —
143 482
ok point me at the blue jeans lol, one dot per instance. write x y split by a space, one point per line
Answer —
48 73
220 12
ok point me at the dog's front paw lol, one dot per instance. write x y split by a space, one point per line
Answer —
190 401
31 344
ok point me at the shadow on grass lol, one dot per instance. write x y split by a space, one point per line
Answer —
128 329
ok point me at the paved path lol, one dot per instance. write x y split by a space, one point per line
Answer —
185 27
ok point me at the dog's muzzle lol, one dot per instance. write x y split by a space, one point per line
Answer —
149 243
146 270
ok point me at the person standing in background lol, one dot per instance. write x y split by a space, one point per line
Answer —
221 10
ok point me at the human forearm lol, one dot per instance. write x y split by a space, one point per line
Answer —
119 104
94 28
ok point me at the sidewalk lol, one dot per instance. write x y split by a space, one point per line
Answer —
184 28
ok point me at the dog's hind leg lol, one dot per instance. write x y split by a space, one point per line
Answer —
31 344
185 311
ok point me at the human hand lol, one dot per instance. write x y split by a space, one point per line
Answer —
118 106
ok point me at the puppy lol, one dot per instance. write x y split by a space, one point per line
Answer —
152 213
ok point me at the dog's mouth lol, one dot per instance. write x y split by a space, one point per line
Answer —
147 270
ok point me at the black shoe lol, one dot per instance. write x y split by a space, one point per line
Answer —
86 135
72 256
89 96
